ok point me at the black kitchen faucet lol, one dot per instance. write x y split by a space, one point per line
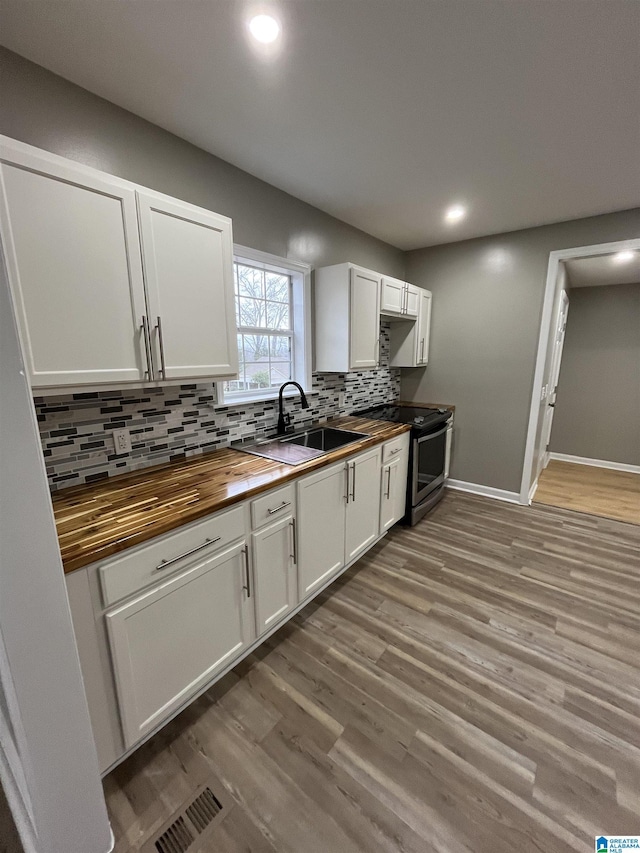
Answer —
285 420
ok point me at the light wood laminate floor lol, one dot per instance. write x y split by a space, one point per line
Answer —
472 685
585 488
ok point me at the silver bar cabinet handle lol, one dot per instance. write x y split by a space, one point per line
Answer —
353 485
147 346
393 452
247 587
294 555
347 468
422 351
278 508
163 366
164 564
387 494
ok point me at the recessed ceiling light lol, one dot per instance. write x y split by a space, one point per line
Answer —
455 213
623 257
264 28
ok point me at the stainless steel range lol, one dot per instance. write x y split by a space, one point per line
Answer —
430 450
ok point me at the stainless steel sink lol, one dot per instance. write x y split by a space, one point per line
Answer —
299 448
324 438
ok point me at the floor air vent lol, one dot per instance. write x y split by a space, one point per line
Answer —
189 824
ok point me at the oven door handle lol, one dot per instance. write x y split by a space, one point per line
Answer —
433 434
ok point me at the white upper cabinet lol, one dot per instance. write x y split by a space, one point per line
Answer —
392 294
409 342
398 298
187 255
347 318
113 283
71 242
412 300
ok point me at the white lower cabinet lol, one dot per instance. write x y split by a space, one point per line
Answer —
274 572
172 639
152 641
321 527
363 503
393 483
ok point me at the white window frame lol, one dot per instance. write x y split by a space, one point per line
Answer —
300 274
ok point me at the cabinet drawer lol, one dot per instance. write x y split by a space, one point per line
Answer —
392 449
152 563
272 506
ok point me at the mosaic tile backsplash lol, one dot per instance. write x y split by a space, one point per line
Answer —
173 423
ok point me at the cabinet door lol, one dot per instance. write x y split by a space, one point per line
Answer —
364 323
424 325
73 255
188 264
274 572
363 505
321 527
170 641
412 301
393 499
392 296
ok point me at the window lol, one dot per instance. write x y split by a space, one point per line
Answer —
271 297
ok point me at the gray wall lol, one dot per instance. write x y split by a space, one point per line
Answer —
487 305
47 111
598 405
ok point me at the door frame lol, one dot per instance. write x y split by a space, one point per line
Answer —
554 375
529 480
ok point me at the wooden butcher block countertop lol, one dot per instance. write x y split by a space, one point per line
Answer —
97 520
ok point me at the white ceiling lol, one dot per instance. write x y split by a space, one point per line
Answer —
603 269
380 112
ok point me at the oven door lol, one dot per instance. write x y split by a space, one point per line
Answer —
429 455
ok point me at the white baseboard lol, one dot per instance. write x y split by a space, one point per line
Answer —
485 491
532 492
596 463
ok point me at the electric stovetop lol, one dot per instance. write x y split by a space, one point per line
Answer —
420 418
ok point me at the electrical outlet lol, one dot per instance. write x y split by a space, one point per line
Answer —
341 396
121 441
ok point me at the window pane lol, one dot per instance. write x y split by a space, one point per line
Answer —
277 287
249 281
278 315
280 372
257 375
252 312
256 347
279 348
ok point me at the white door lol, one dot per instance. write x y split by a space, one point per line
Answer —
363 504
424 326
274 572
394 491
392 295
188 265
171 640
75 271
321 527
556 361
412 301
364 324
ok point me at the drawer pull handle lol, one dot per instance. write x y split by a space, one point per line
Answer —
247 586
164 564
278 508
393 452
294 555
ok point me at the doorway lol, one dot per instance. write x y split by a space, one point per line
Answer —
583 442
